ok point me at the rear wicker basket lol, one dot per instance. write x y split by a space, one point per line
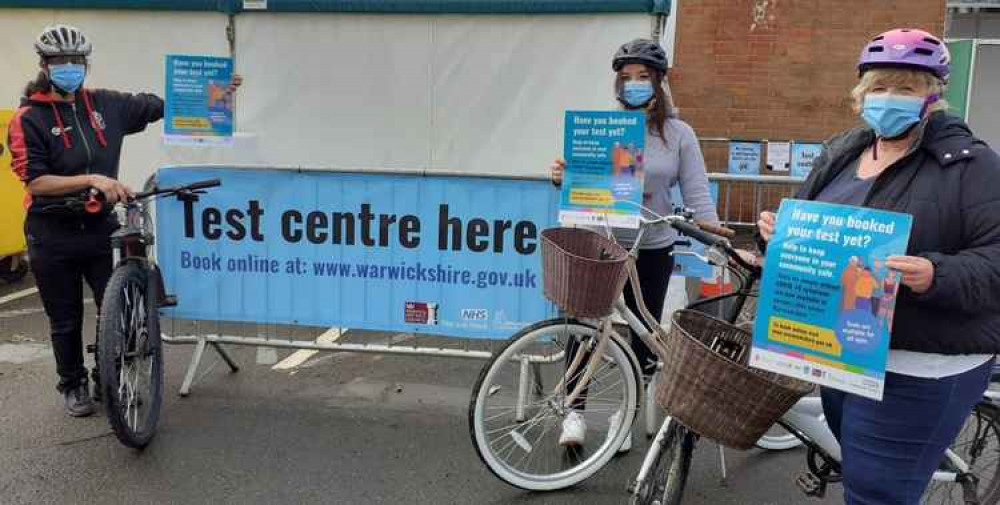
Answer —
713 395
583 271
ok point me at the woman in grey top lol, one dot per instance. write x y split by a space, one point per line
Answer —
672 155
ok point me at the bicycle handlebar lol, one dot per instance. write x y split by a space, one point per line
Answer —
194 186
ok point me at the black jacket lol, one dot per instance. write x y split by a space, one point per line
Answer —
59 138
950 183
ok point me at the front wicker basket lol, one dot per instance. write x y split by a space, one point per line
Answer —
713 395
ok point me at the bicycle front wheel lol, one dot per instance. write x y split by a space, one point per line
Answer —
518 405
131 355
665 483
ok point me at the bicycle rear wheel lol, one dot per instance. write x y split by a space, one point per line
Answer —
131 355
518 406
978 446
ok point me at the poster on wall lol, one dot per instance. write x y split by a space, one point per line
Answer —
744 158
199 104
779 156
604 173
803 156
827 298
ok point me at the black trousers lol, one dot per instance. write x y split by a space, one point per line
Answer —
654 267
64 252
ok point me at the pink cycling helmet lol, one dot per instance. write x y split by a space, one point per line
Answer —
904 47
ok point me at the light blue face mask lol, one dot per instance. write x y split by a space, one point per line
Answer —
892 115
68 76
637 94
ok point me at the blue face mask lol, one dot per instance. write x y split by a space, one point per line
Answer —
637 94
892 115
67 77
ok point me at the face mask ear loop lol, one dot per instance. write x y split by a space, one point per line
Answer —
930 100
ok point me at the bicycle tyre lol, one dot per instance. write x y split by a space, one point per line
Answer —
666 480
129 345
622 368
977 442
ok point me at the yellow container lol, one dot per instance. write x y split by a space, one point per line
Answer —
11 197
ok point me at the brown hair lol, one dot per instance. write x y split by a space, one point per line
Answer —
662 106
40 84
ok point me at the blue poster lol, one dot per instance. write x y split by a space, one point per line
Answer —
603 179
456 256
827 298
684 264
803 156
744 158
199 105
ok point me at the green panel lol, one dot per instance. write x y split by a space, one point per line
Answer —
958 83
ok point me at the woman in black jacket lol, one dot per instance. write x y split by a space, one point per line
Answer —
915 159
65 140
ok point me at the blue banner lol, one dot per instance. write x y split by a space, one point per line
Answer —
441 255
604 173
199 105
827 298
686 265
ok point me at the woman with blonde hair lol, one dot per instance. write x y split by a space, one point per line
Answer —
914 158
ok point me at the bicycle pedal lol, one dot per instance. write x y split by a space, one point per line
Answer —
811 485
168 301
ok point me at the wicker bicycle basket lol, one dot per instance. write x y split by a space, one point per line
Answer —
716 396
583 272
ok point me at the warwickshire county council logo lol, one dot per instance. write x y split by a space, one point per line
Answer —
421 313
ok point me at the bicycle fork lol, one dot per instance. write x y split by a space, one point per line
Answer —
651 455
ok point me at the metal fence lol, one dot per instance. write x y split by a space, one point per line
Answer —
22 320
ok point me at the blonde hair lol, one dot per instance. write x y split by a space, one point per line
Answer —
889 77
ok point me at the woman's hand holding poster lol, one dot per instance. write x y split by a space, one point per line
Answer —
827 297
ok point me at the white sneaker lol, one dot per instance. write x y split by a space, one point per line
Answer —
627 443
574 430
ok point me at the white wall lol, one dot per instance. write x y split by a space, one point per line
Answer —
477 94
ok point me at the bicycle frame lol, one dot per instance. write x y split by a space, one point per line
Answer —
133 239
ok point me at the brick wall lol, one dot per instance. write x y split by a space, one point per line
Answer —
778 69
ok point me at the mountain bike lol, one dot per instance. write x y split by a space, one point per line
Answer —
129 350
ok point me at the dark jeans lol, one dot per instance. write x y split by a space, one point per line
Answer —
892 448
64 252
654 267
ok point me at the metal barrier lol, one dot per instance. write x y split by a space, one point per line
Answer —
743 197
308 341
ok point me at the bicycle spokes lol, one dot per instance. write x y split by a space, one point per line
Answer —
134 359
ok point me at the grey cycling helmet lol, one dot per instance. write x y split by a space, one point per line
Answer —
62 40
643 51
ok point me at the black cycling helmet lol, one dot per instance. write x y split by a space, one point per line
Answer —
643 51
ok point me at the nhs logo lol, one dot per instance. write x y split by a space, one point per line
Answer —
475 314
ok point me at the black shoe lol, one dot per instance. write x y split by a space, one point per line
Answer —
78 402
